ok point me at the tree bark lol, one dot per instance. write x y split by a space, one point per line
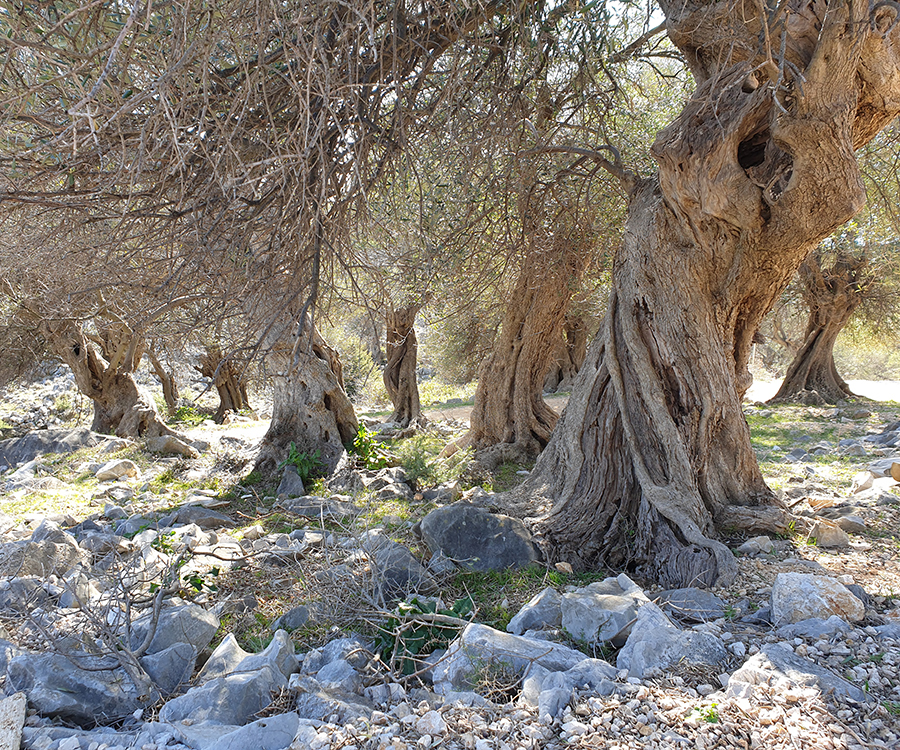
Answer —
510 421
568 356
652 457
400 370
226 376
166 379
832 294
121 407
310 407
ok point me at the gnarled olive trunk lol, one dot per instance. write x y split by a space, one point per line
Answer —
226 376
832 294
510 419
310 407
652 457
121 406
568 355
166 380
400 370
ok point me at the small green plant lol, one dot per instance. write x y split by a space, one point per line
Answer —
417 628
199 581
63 406
709 714
372 455
308 465
892 707
731 613
253 478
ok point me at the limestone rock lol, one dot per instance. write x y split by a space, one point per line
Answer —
234 699
19 450
800 596
12 719
757 545
291 484
203 517
57 686
656 643
543 611
272 733
828 534
777 662
477 539
169 444
230 658
171 667
602 611
480 649
116 469
186 623
692 604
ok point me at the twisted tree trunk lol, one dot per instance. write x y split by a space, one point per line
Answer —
310 406
166 380
400 370
510 421
568 356
121 407
832 294
652 457
227 378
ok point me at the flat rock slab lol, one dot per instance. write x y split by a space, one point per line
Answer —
21 449
777 662
12 719
480 650
693 604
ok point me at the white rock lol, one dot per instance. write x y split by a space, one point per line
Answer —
117 469
800 596
431 723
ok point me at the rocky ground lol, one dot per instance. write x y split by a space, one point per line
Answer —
159 601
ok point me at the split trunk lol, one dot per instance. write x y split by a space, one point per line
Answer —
121 406
227 377
832 294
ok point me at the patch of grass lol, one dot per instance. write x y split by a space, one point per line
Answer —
190 416
506 477
498 594
420 458
892 707
434 393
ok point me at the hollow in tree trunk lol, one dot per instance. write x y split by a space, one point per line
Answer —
652 457
400 370
104 366
310 406
510 421
226 375
568 355
832 294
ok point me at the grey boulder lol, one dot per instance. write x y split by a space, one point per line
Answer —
230 658
171 667
291 484
234 699
543 611
656 643
186 623
476 539
271 733
776 662
479 650
57 686
21 449
602 611
693 604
